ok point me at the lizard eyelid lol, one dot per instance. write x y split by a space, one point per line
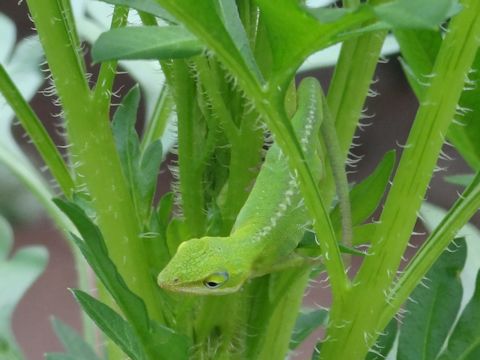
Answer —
216 280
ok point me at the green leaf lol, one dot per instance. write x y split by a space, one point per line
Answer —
165 207
327 15
168 343
384 342
419 51
72 342
308 246
177 232
17 274
111 324
462 180
432 311
146 42
141 171
148 174
93 248
362 234
366 196
228 12
198 17
126 138
155 339
292 38
464 133
464 343
426 14
308 320
148 6
157 248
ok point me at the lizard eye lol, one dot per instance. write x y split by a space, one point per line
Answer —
216 280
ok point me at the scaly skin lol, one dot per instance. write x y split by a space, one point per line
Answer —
268 227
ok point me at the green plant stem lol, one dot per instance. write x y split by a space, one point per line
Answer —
35 129
191 179
351 81
400 212
246 142
93 149
106 75
458 215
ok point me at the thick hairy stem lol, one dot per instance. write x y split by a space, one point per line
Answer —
371 295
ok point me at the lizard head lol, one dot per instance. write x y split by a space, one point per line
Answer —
205 266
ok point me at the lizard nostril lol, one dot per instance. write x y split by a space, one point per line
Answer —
176 280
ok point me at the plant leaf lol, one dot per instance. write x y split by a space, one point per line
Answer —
148 6
155 342
432 216
464 343
140 170
465 134
419 50
127 142
292 38
365 196
384 342
93 248
433 310
146 42
462 180
228 13
169 343
111 324
17 274
148 174
362 234
426 14
72 342
308 320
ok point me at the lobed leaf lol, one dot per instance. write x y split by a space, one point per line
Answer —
413 14
156 340
72 342
366 196
462 180
308 320
149 167
464 342
112 324
384 343
146 42
140 170
93 248
17 274
433 308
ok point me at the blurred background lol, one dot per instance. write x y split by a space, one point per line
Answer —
388 115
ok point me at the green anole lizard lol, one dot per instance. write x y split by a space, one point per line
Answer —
268 227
